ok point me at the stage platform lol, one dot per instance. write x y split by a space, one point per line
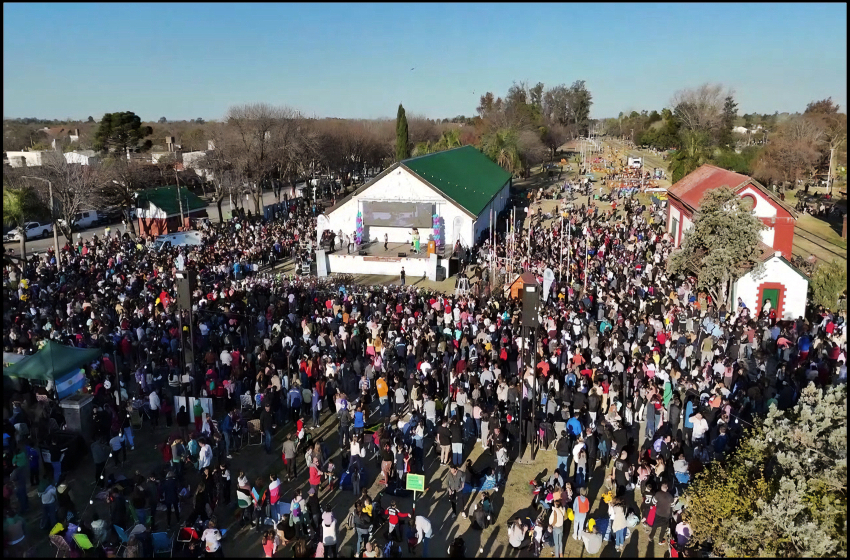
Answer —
374 259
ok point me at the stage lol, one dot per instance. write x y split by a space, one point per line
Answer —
374 259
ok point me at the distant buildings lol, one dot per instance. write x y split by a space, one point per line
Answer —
37 158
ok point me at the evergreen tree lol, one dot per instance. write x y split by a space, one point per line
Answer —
722 245
783 492
120 131
402 140
730 113
827 283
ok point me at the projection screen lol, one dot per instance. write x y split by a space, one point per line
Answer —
398 214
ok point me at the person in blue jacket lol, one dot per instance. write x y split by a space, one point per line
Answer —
689 426
294 401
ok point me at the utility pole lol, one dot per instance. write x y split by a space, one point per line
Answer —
569 247
52 217
561 263
180 201
829 171
586 249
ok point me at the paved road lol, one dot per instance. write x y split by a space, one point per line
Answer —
42 245
650 158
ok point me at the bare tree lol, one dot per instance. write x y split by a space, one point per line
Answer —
531 149
165 163
122 179
253 152
422 129
268 142
218 166
700 109
75 188
553 136
793 152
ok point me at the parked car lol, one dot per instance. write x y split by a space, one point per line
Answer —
86 219
34 230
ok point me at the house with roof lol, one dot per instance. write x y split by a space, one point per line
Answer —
34 158
779 282
684 199
460 186
160 211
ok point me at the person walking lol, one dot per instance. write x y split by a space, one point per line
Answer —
362 525
315 478
564 448
55 459
119 447
581 505
155 403
455 481
663 502
266 420
457 441
556 522
47 493
171 497
444 437
403 276
212 540
422 526
329 534
618 523
183 423
274 497
289 453
19 478
100 455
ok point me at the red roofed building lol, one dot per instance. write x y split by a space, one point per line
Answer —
684 198
779 282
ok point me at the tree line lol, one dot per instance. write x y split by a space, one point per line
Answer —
699 127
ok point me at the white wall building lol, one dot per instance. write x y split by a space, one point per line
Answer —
83 157
33 159
462 184
780 282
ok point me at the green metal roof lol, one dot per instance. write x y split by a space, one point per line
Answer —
165 198
464 175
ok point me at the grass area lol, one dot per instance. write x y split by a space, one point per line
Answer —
813 226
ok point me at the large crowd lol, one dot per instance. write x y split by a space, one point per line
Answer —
401 373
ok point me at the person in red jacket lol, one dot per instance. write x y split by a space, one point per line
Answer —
315 475
394 515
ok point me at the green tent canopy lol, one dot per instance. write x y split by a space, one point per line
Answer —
53 361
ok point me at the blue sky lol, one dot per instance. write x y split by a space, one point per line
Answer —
185 61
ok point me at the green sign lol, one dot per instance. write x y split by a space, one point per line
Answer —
416 482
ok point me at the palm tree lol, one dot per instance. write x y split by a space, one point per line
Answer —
20 205
502 147
449 140
423 148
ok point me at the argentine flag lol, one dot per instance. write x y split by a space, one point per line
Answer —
70 384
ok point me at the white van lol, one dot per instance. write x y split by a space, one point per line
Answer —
635 162
85 219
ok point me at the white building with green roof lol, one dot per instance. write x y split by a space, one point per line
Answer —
159 210
461 186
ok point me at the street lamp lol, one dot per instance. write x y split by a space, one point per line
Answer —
52 215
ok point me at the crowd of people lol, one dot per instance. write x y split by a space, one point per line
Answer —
633 377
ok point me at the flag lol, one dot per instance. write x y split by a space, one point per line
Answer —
70 384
